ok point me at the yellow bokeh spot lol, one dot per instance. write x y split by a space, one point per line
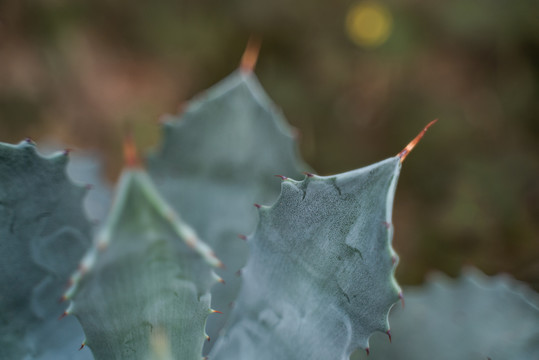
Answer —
368 24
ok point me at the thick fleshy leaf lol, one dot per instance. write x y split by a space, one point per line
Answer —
43 235
217 159
474 317
319 279
147 273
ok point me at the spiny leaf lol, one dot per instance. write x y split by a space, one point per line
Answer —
217 159
146 273
473 317
319 279
43 234
320 276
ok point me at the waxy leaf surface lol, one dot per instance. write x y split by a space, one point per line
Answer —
43 235
146 281
319 280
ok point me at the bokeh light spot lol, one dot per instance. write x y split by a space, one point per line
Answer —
368 24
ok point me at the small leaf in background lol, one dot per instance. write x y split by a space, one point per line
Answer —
474 317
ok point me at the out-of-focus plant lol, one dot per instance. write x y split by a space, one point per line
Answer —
317 270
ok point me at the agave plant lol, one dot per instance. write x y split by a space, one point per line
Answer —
317 265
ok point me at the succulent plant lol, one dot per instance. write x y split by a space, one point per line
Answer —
317 276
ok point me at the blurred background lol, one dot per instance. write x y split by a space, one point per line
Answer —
358 79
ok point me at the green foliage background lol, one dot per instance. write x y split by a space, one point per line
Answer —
79 71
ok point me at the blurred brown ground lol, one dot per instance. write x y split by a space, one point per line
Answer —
79 71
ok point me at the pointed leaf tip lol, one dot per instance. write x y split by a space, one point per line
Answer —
250 55
404 153
64 314
130 152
